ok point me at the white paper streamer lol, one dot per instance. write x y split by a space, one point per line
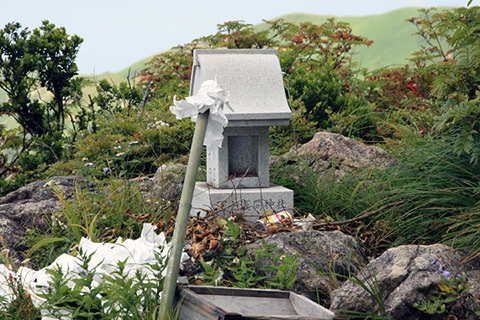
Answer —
138 254
209 97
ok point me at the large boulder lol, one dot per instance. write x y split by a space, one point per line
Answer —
29 207
403 276
333 154
325 258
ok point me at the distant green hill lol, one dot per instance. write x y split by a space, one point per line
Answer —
392 35
124 73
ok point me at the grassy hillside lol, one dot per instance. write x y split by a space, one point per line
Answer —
391 33
124 73
393 38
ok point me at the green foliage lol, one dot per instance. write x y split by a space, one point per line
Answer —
238 35
123 145
452 299
170 73
245 274
358 120
326 195
300 130
113 99
7 186
280 267
314 59
17 63
461 121
319 89
436 188
21 306
80 301
212 274
119 295
55 68
452 54
233 267
452 49
329 43
46 55
393 88
37 72
116 211
133 297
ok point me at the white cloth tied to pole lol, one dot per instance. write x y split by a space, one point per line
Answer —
209 97
138 254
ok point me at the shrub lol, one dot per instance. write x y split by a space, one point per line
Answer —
125 146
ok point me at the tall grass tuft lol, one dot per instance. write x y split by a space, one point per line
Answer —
118 209
440 194
431 196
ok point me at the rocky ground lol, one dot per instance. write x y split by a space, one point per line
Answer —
400 277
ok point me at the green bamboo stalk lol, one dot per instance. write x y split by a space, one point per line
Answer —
178 239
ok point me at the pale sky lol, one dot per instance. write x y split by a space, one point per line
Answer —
118 33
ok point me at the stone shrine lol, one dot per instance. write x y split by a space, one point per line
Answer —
238 177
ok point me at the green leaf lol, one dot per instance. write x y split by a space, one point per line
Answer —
42 243
450 299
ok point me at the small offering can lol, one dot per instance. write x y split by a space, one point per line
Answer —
273 221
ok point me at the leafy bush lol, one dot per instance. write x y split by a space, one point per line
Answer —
451 55
321 91
88 294
43 59
114 99
233 267
123 145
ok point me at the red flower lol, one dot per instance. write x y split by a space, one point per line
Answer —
298 39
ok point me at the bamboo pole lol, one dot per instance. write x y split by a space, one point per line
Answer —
185 205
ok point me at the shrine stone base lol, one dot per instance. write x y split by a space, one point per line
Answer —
251 202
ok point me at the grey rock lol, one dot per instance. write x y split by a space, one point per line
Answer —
325 259
334 154
165 185
29 207
401 277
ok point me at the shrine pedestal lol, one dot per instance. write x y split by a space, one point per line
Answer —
251 202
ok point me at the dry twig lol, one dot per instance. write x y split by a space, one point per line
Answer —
363 216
